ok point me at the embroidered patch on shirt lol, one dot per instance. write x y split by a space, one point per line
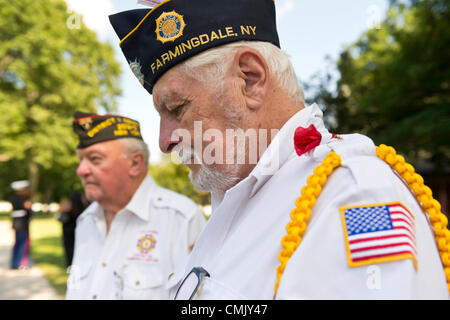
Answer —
146 243
379 233
146 247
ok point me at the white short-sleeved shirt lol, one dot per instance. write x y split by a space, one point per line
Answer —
239 247
147 239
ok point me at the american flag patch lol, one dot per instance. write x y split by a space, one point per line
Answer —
379 233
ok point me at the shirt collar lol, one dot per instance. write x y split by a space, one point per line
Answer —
282 146
93 209
140 202
138 206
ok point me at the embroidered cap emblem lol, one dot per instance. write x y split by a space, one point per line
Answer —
146 243
136 69
169 26
86 123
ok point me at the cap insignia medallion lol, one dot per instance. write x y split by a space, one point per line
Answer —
169 26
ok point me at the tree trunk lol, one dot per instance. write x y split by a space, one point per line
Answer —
33 173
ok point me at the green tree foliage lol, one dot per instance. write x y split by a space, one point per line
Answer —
174 176
47 71
394 82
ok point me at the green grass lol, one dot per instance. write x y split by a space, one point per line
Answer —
47 251
4 216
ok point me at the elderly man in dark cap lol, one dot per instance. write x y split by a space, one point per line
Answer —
135 233
298 212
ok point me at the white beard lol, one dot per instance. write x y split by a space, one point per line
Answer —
207 179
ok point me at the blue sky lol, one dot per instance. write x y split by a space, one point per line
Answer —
308 30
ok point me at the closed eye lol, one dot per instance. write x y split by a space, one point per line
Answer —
178 111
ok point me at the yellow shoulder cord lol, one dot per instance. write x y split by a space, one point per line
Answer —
425 198
300 215
296 228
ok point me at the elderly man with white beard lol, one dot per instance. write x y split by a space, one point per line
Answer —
317 215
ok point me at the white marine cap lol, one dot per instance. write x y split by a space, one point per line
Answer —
19 185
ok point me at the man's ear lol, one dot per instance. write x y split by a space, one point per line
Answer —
137 163
254 70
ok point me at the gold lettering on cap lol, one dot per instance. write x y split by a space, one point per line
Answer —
248 30
130 127
197 41
165 58
214 36
204 39
173 55
230 32
101 126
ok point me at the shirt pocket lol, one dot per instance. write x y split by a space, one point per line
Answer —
143 281
77 282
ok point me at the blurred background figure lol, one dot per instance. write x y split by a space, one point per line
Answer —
21 216
69 212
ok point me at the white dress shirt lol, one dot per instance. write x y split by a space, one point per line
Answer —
148 238
239 246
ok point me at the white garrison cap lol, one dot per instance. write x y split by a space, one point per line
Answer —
21 184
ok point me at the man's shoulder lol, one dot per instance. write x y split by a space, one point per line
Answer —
358 154
352 146
359 162
165 198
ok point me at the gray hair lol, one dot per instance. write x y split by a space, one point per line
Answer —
133 145
210 66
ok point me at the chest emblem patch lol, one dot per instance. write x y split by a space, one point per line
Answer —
146 243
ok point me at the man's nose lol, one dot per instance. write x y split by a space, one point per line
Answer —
169 134
83 168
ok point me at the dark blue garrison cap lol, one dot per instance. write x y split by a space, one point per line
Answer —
153 41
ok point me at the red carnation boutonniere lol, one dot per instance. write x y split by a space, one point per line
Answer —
306 140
